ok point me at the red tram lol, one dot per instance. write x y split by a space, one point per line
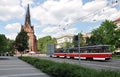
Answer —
96 52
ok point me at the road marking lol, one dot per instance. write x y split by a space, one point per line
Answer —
16 68
16 75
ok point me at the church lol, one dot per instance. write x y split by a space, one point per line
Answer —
27 27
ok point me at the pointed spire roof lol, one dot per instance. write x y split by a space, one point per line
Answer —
27 18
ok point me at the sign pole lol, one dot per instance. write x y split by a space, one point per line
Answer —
79 46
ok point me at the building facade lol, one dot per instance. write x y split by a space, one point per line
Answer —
63 39
27 27
117 22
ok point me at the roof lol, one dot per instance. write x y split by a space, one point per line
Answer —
64 36
116 20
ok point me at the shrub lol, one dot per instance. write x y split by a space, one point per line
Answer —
67 70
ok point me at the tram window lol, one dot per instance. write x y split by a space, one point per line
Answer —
97 51
91 49
86 51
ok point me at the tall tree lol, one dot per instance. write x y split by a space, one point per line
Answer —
10 46
3 43
107 33
117 38
21 41
67 45
42 42
75 40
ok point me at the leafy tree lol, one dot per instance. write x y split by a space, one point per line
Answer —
10 46
107 33
21 41
3 43
6 45
75 40
42 42
67 45
117 38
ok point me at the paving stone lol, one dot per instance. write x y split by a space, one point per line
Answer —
13 67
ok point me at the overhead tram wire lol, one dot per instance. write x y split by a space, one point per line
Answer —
113 3
63 27
82 18
90 14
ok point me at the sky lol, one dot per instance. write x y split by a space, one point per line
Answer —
56 17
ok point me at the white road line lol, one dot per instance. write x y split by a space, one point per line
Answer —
17 68
16 75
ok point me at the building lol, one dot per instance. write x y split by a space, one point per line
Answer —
85 35
63 39
117 22
32 42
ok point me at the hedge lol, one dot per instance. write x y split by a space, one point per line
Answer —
56 69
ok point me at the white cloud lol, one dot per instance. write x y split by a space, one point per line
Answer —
13 30
62 12
50 29
14 27
57 31
26 2
69 11
11 36
70 31
95 5
10 9
107 13
55 12
9 3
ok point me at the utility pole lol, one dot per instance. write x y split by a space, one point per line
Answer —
79 46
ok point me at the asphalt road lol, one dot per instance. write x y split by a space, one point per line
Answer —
113 64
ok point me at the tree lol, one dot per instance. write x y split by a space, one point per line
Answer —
117 38
3 43
10 46
66 45
6 45
42 42
107 33
75 40
21 41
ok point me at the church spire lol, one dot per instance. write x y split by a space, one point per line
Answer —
27 18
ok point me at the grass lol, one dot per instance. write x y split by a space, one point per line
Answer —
116 56
56 69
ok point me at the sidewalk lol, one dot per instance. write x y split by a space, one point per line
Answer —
13 67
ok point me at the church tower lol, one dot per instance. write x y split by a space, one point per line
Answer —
32 42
